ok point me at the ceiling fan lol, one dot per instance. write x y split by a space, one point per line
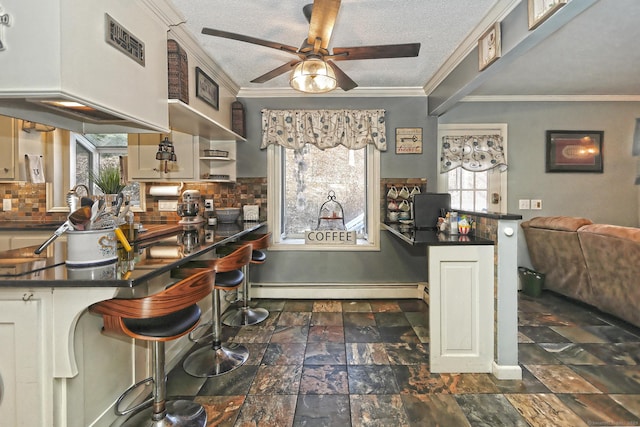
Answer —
315 70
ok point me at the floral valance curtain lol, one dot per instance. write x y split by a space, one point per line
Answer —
474 153
324 128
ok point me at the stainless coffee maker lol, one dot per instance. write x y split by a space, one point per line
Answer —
190 208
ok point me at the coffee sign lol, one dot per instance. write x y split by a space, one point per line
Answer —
330 237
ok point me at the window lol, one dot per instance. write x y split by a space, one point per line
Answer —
93 152
300 181
479 191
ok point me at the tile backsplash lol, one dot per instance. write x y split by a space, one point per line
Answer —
28 201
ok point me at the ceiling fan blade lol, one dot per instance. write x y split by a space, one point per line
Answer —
276 72
344 81
248 39
323 18
374 52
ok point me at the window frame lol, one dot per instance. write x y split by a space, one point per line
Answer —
460 129
275 156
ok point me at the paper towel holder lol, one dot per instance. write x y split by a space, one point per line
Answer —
166 190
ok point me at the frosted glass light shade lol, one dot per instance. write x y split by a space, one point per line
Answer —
313 75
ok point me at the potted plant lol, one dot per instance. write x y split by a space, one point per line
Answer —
108 180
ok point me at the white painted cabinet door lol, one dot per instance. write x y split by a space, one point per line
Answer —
461 312
21 366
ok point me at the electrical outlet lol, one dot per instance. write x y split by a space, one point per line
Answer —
536 204
6 204
208 205
167 205
524 204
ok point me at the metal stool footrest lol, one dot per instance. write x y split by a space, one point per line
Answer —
120 412
204 339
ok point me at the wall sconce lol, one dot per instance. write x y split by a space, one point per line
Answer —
166 153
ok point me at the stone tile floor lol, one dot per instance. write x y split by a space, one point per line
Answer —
365 363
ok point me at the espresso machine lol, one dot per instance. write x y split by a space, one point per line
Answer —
189 208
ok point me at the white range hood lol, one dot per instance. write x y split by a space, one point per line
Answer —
108 58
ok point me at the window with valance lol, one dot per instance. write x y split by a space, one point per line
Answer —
354 129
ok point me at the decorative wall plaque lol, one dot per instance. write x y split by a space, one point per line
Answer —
120 38
408 140
206 88
237 118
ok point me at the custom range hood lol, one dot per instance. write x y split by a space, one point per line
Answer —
90 66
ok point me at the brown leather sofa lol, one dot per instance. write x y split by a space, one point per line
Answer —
597 264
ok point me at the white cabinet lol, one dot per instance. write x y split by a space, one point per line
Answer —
69 48
142 163
8 138
461 308
23 387
217 160
23 238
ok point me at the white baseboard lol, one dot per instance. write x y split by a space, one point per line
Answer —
507 372
337 290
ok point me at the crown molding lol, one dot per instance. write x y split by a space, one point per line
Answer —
359 92
497 13
551 98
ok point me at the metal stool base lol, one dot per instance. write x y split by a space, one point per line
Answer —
180 413
245 316
209 362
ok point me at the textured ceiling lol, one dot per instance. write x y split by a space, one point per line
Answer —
596 53
439 25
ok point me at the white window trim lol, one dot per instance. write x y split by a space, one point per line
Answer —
274 211
457 129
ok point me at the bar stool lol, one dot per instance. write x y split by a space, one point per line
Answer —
245 315
164 316
218 359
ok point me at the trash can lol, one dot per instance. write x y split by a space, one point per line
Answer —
532 281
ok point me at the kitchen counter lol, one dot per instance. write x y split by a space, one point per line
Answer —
55 352
153 254
460 293
432 237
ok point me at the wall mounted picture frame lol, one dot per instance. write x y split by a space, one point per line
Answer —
206 89
574 151
541 10
489 47
408 140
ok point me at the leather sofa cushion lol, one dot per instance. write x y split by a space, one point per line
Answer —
562 223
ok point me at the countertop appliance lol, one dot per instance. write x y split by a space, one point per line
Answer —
427 207
190 208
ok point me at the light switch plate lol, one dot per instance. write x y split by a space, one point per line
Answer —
251 212
167 205
523 204
536 204
6 204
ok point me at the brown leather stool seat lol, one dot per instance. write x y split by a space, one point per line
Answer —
164 316
219 358
245 315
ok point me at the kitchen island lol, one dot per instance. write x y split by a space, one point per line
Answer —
472 295
56 369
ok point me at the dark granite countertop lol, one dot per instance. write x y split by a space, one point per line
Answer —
29 225
432 237
492 215
150 258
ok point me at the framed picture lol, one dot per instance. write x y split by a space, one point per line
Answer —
489 46
574 151
541 10
206 88
408 140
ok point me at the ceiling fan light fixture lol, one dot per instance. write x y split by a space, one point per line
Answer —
313 75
